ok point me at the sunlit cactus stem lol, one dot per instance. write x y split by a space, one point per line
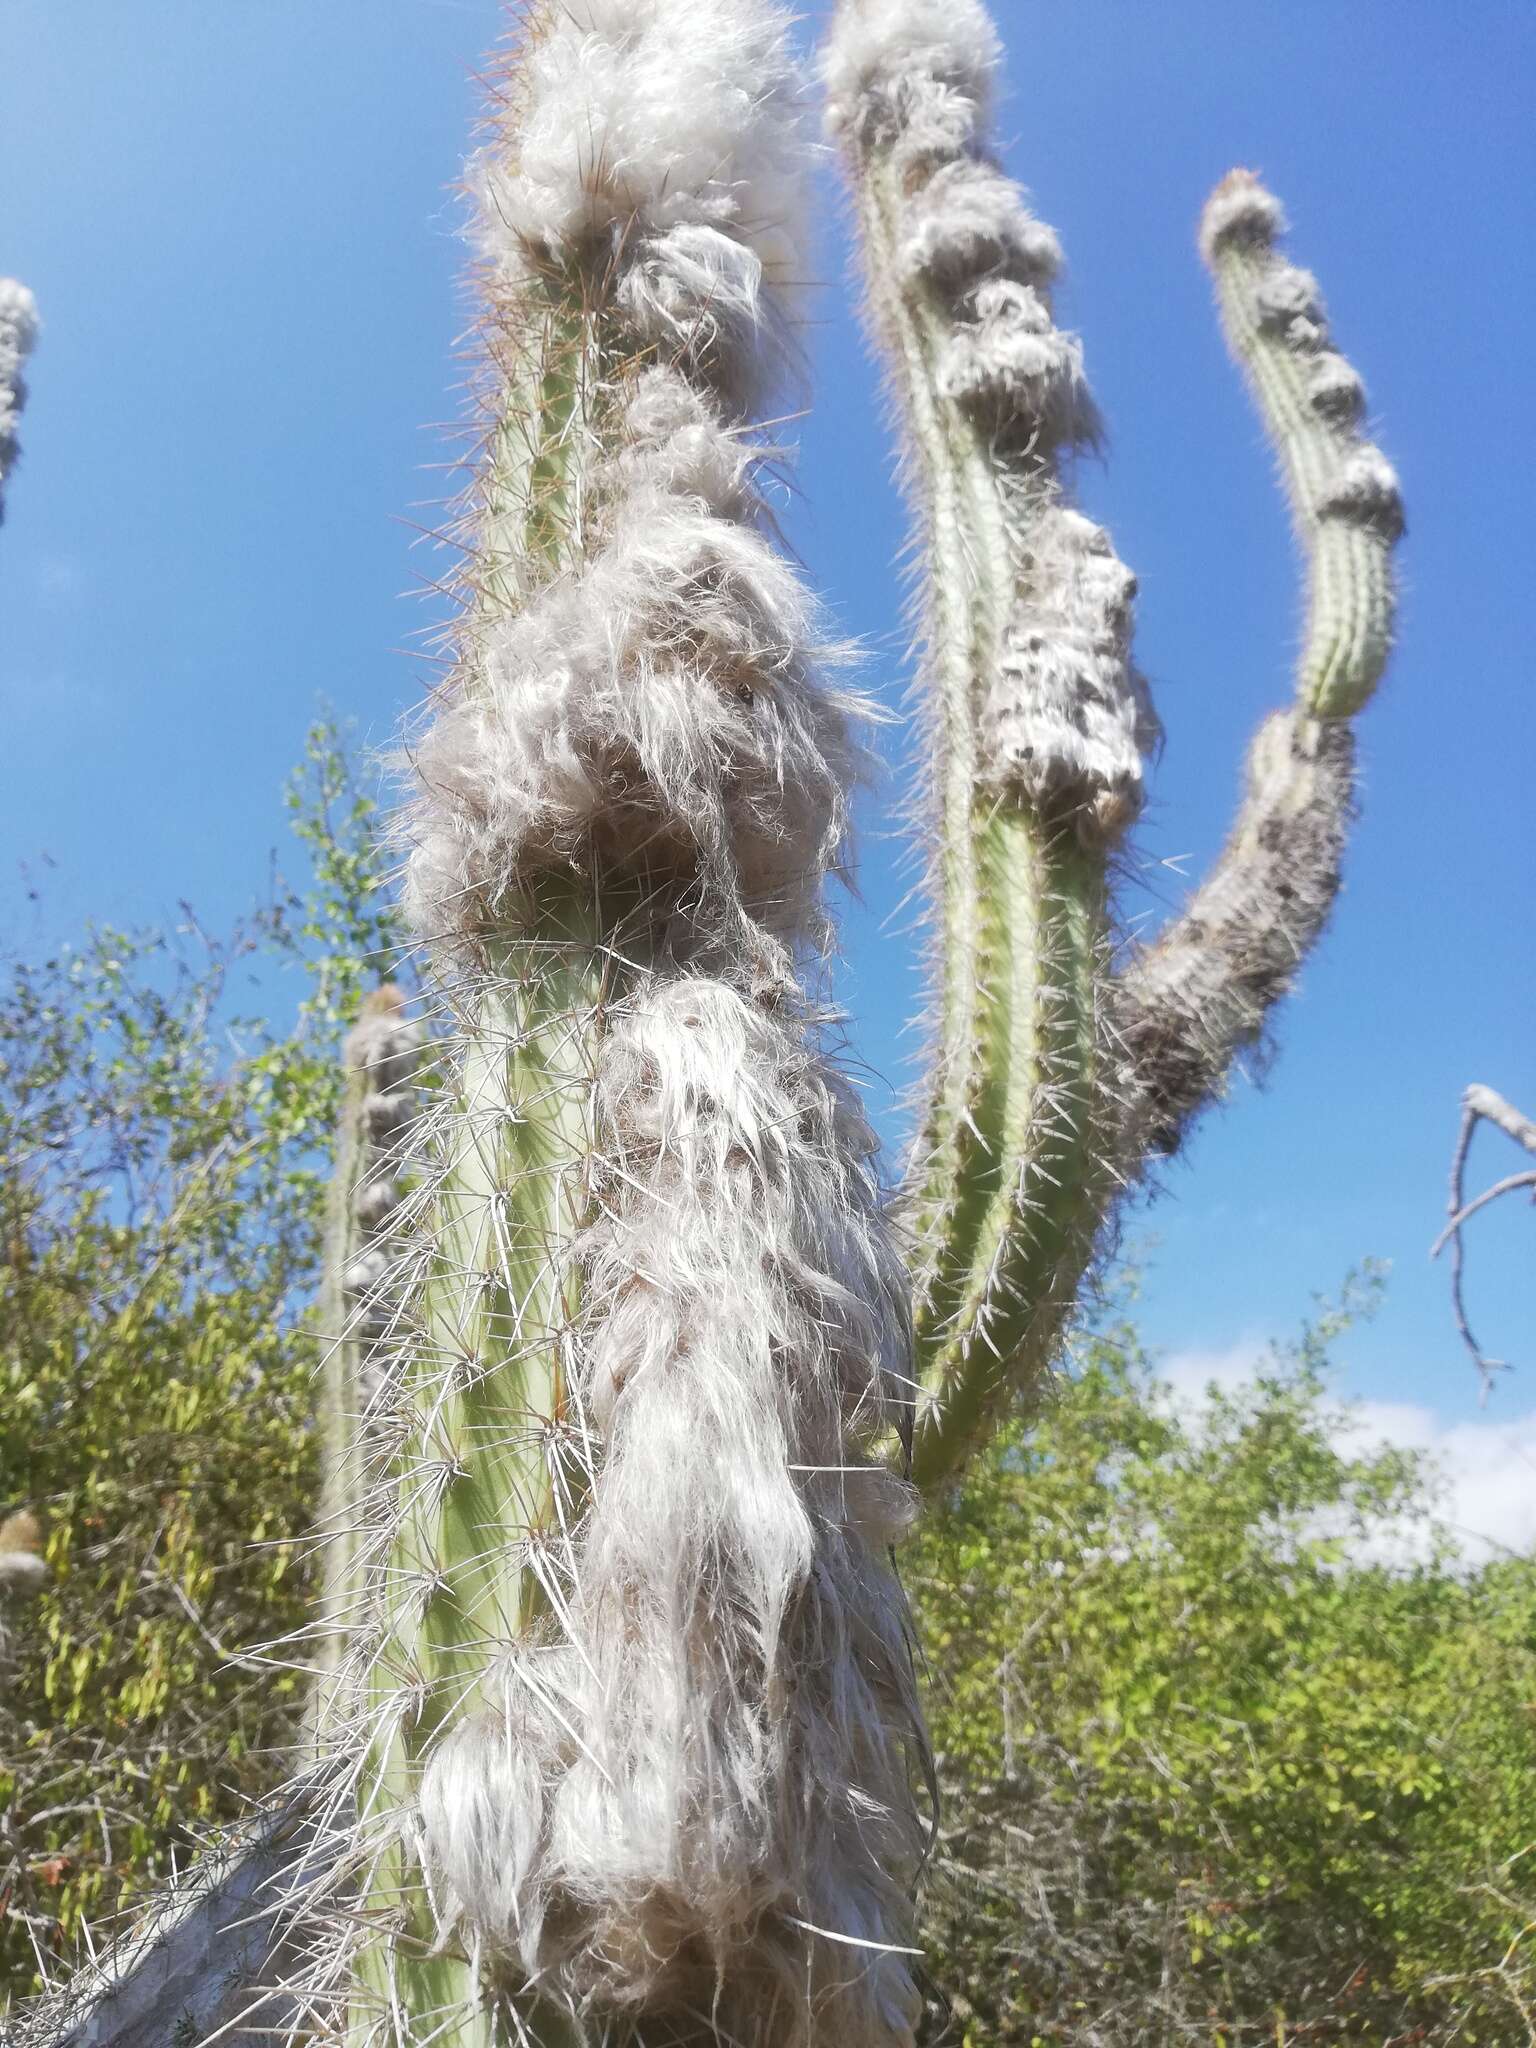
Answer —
1344 493
1037 718
637 1718
360 1308
1189 1004
1052 1076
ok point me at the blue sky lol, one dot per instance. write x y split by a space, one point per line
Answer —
240 225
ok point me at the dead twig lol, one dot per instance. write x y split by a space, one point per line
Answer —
1479 1105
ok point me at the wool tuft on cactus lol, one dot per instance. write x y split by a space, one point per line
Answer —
18 337
640 1370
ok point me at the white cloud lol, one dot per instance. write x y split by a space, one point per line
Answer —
1488 1470
1188 1374
1486 1500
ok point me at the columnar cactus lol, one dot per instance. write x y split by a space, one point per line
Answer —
627 1736
1038 719
1053 1075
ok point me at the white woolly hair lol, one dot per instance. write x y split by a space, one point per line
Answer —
657 710
657 114
18 334
692 1793
664 140
1203 991
1067 719
700 1797
896 63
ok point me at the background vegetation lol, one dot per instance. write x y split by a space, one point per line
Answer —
1223 1759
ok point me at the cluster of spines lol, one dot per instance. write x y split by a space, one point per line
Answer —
1037 716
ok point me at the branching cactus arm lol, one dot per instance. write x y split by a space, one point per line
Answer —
1037 719
18 334
1051 1079
1190 1003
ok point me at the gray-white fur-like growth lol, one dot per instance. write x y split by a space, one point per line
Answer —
1190 1003
693 1794
657 706
1206 989
1060 721
686 1789
18 335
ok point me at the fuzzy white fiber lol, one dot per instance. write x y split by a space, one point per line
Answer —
687 1793
651 118
18 334
968 220
714 1760
1010 362
656 707
917 65
1066 719
1239 210
1203 992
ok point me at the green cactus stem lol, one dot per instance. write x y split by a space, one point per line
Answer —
1189 1004
1035 714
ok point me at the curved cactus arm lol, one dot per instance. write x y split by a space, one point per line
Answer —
1036 718
1187 1005
18 335
1479 1104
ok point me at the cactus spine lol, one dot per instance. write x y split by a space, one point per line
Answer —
626 1743
1036 713
638 1712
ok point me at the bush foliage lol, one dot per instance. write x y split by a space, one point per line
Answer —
163 1163
1211 1774
1233 1749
